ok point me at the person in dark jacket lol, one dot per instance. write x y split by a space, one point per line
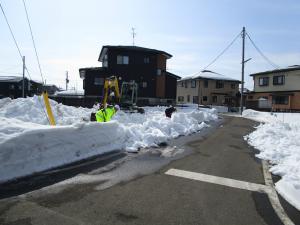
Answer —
169 111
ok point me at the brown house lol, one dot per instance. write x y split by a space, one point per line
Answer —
208 88
277 90
147 67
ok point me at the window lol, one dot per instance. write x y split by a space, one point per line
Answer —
280 100
122 59
193 83
146 60
105 61
263 81
188 98
182 84
98 81
232 86
219 84
278 80
11 87
180 98
214 99
206 83
158 72
144 84
195 99
204 98
185 84
250 96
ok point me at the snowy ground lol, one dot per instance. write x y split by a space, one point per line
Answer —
28 144
278 139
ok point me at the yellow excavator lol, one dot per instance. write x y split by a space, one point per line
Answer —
127 99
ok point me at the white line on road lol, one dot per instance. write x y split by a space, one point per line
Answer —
273 197
268 188
219 180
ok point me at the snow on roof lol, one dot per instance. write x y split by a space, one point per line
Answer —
69 92
11 78
207 74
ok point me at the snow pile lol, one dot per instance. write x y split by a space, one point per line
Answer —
28 144
33 110
279 143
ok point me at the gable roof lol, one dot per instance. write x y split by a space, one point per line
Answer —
210 75
290 68
131 48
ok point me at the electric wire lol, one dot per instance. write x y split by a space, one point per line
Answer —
32 38
218 56
260 52
13 36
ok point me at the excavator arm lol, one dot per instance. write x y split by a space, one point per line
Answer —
111 84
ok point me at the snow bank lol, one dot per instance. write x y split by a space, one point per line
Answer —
33 110
28 144
279 142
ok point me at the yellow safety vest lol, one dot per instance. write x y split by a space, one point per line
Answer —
105 115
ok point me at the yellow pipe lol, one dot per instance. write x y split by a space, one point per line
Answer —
48 107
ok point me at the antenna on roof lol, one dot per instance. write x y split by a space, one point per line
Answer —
133 35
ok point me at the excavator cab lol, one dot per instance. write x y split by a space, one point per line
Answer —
128 99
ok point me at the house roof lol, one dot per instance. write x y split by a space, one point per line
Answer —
173 75
290 68
131 48
210 75
82 70
11 79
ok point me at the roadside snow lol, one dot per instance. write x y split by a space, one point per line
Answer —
28 144
278 140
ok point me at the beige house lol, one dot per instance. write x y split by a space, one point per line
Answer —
280 88
208 88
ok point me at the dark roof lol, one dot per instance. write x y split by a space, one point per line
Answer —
92 68
131 48
14 79
173 75
82 70
290 68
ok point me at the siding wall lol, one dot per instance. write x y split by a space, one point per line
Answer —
208 92
292 82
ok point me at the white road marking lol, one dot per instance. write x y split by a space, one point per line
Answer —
268 188
219 180
273 197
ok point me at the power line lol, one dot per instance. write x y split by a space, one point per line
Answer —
37 57
13 36
218 56
260 52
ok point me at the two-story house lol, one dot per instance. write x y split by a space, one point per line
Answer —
147 67
208 88
281 88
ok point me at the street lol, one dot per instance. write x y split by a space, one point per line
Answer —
217 180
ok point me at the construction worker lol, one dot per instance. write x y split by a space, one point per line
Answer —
169 111
105 114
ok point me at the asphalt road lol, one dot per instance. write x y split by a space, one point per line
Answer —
158 198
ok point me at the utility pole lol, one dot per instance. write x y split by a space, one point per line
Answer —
67 80
243 64
133 35
23 82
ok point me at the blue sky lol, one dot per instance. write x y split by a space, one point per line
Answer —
69 34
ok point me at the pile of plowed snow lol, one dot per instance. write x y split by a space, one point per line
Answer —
278 139
28 144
